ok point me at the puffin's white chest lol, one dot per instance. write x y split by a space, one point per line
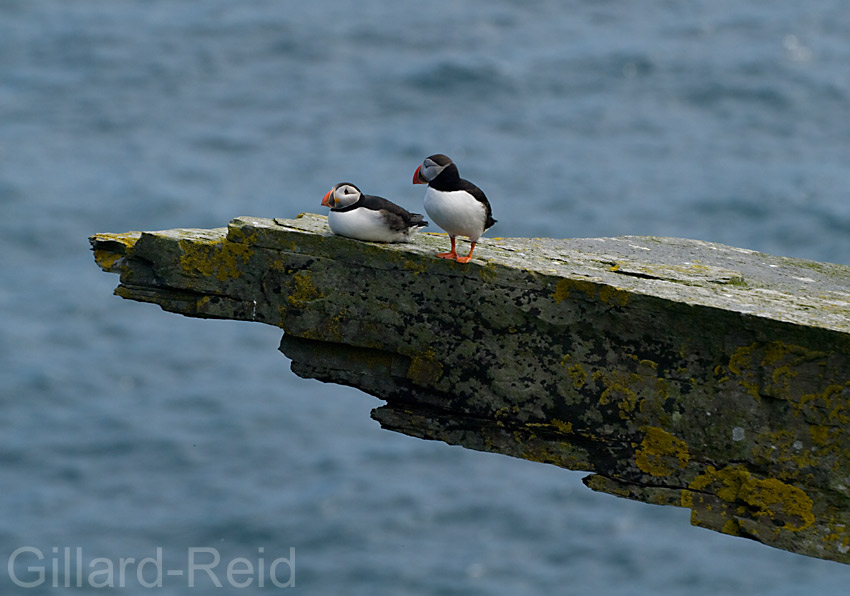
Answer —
456 211
364 224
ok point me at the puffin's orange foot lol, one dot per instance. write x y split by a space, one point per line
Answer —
467 258
452 254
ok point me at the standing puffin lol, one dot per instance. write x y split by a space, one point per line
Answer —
454 204
366 217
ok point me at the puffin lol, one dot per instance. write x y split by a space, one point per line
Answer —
454 204
367 217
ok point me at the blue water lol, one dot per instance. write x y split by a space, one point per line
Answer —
126 429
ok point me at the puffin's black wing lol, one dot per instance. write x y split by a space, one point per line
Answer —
481 198
397 217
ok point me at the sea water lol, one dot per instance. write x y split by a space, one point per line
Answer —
182 450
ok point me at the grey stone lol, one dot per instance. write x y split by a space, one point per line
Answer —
677 372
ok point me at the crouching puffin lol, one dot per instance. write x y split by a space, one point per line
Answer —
454 204
366 217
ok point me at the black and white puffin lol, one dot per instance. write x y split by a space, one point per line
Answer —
367 217
454 204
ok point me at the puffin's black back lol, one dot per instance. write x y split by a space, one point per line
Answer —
396 216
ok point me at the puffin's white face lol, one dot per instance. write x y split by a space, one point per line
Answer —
342 195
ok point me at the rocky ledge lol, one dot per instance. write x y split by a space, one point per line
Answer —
676 372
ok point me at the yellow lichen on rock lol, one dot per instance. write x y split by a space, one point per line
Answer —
425 368
110 248
838 538
771 368
416 267
785 450
660 453
731 527
825 436
562 291
620 388
831 404
564 427
606 294
303 290
741 365
577 375
613 296
768 497
215 257
106 259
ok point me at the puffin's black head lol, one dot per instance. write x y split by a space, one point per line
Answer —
341 195
431 168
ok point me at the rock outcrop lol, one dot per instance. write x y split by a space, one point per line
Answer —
676 372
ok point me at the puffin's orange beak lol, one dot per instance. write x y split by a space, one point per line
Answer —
326 200
417 177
